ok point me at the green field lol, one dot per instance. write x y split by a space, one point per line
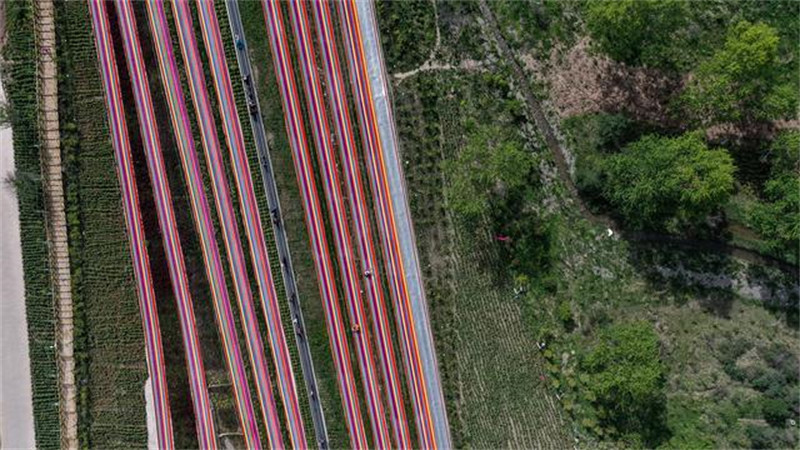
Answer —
19 55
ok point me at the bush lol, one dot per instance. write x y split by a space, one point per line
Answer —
629 379
776 411
740 82
635 31
486 174
777 218
658 182
592 137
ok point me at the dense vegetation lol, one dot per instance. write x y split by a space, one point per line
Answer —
110 357
632 336
662 182
741 83
633 31
19 72
625 381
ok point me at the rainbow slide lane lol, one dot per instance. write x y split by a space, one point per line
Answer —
311 207
252 218
351 29
401 213
206 434
227 217
133 220
359 211
201 212
343 243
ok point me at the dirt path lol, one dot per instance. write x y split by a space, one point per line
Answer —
56 222
536 112
16 404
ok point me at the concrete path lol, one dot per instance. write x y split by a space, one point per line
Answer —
16 407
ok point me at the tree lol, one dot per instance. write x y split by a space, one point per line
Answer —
628 379
776 411
635 31
777 218
490 169
740 83
657 180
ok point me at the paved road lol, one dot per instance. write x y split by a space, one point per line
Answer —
359 217
366 61
343 243
313 216
133 221
16 407
273 202
206 434
202 215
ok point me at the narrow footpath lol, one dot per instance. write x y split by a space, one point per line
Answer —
56 221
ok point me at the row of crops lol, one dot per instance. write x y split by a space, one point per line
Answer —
110 359
19 73
491 374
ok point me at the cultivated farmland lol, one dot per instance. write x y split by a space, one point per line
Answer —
19 57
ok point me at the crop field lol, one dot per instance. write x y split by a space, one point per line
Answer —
487 353
19 55
109 348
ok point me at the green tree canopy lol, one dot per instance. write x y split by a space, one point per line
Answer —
741 83
489 169
628 379
657 182
635 31
778 217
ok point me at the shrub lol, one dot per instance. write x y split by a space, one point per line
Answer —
635 31
777 218
776 411
658 180
628 379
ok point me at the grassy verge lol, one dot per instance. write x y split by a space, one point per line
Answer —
19 55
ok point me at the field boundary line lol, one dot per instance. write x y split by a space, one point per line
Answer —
55 216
